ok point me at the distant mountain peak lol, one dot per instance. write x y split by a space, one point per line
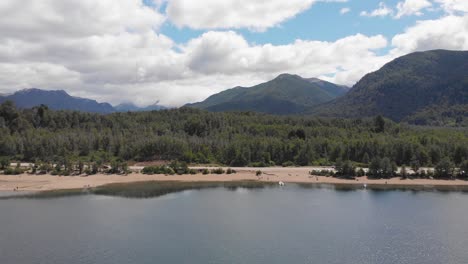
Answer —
37 90
57 100
285 94
288 75
131 107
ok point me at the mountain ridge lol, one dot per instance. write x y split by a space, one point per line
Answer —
61 100
285 94
408 86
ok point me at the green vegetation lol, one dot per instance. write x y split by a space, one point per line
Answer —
217 171
286 94
345 169
422 88
66 143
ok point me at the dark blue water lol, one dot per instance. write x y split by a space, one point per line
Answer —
289 225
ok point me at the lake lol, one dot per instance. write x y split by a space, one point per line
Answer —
271 225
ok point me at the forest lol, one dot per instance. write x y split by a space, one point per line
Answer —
232 139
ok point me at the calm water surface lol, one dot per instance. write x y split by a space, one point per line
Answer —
277 225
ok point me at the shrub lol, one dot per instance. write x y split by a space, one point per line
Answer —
180 167
4 163
12 171
345 168
218 171
444 169
422 174
361 172
259 164
288 164
322 173
161 170
258 173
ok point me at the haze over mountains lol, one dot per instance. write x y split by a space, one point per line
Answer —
61 100
286 94
130 107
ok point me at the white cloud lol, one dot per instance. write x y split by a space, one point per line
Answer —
111 52
345 10
412 7
28 75
381 11
215 14
453 6
67 18
450 32
229 53
258 15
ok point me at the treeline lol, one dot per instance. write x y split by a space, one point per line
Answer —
232 139
385 168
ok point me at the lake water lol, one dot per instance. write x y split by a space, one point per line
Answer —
273 225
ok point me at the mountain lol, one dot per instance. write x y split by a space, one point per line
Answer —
426 88
286 94
61 100
130 107
57 100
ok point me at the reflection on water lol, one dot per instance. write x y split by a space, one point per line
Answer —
13 193
271 225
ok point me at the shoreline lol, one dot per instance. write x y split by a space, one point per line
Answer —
298 175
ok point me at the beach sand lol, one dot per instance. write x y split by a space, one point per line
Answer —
32 183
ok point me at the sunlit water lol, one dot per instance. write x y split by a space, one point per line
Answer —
273 225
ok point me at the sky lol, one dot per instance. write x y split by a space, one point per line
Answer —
181 51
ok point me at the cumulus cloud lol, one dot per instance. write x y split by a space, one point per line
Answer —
412 7
67 18
454 6
214 14
229 53
112 51
382 11
450 32
30 75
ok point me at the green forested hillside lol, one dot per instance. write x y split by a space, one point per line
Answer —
429 88
286 94
235 139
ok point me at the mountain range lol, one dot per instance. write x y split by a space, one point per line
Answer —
423 88
130 107
427 88
286 94
61 100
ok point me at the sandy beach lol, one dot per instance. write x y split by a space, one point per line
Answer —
26 182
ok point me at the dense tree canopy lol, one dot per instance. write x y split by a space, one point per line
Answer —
234 139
